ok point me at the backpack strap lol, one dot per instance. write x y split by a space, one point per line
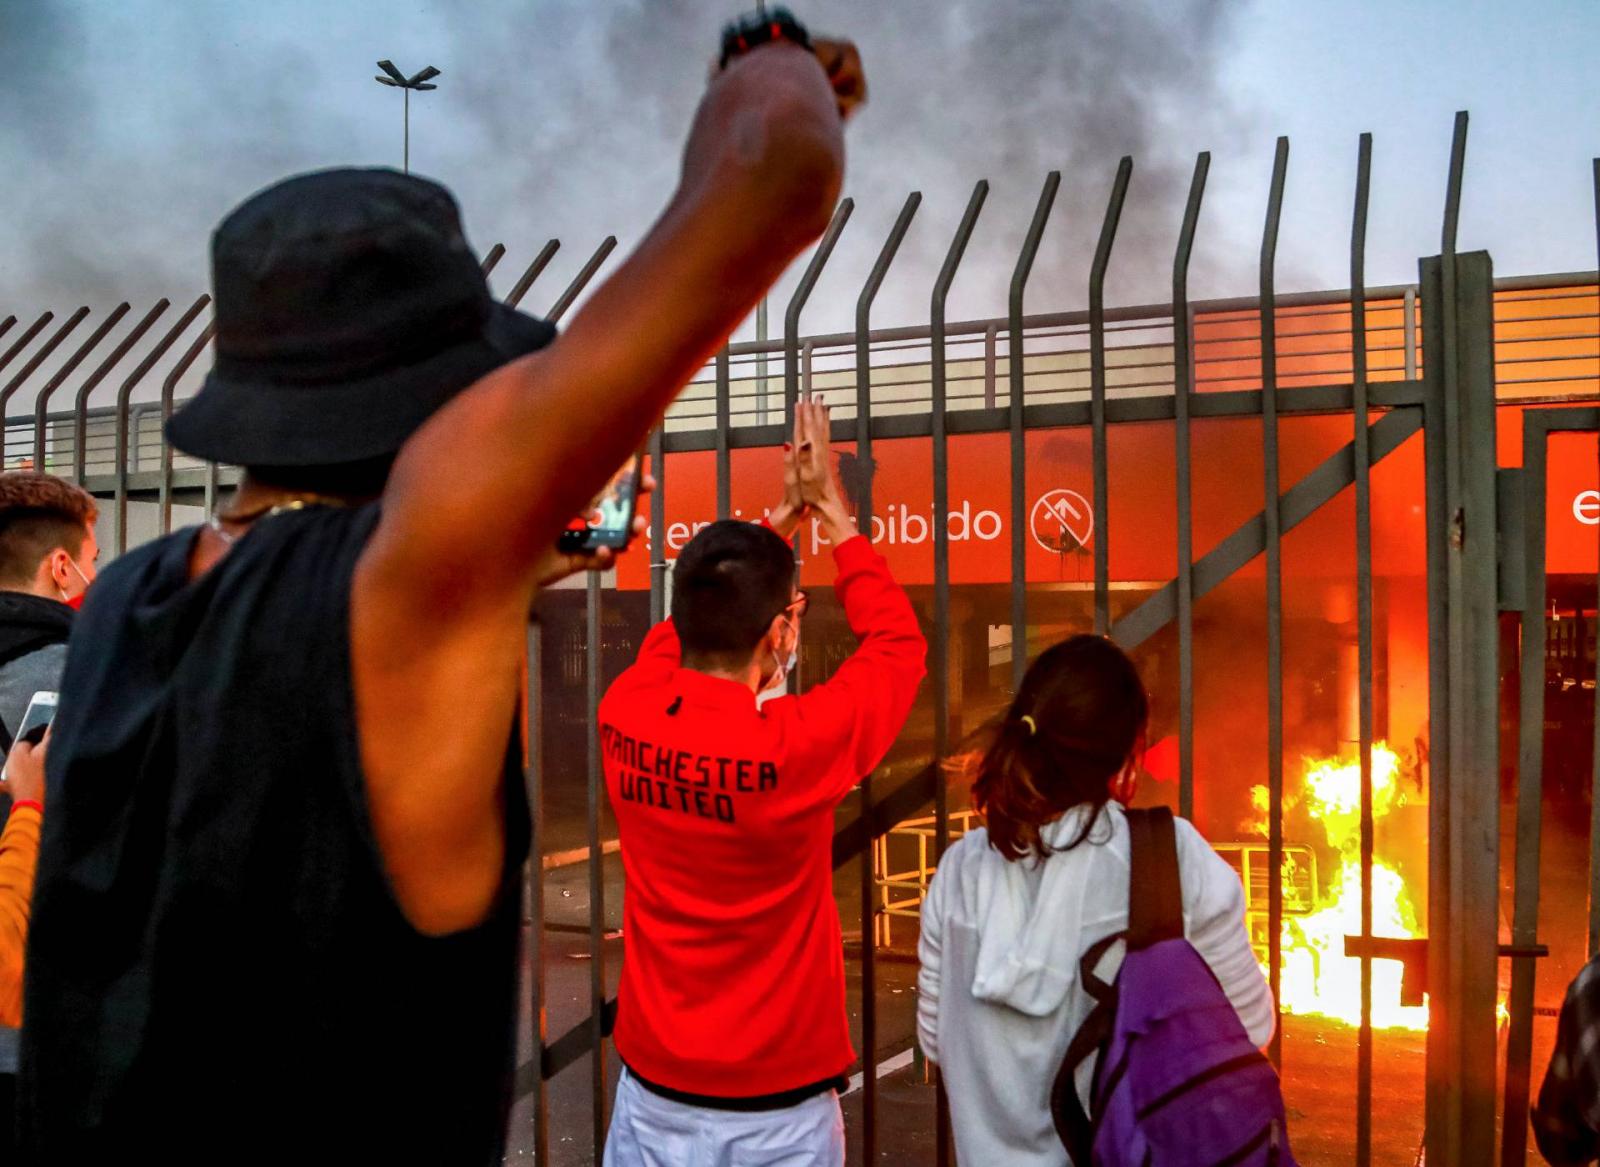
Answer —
1155 893
1155 913
1072 1122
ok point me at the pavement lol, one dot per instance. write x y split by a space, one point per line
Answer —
1319 1068
1319 1057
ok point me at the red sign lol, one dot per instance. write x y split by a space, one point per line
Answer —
1061 526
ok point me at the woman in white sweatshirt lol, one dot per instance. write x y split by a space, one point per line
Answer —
1015 904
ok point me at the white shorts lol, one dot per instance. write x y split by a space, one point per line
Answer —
648 1130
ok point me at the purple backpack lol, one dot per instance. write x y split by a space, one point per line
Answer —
1178 1083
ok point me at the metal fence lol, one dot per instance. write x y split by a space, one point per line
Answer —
1428 361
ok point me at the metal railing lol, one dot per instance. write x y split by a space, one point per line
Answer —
1554 354
901 890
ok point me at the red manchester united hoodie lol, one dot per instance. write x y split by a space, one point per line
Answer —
733 976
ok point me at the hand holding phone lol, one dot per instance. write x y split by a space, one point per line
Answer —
28 781
40 713
610 521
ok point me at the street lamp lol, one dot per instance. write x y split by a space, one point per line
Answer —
400 81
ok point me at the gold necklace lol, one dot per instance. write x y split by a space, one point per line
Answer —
248 519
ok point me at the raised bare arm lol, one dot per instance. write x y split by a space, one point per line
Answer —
480 493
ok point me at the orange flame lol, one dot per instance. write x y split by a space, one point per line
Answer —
1317 978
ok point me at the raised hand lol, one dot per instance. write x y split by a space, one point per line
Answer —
818 477
785 517
841 61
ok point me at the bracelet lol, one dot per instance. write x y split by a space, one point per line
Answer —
755 29
19 803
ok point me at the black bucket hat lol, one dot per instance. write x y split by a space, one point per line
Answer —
348 309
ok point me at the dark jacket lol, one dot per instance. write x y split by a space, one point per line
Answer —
1566 1122
215 955
33 651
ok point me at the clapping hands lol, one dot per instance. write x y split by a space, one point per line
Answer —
810 478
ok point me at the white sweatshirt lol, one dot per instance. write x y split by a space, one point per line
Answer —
1000 996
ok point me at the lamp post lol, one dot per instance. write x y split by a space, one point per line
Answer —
400 81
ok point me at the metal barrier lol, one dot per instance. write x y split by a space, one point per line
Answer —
887 879
1427 361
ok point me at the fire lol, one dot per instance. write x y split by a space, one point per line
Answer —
1317 978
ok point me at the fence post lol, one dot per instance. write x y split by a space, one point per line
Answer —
1019 448
941 571
1364 702
863 500
791 358
533 272
68 368
594 662
1594 801
123 426
1465 799
1272 513
33 363
533 776
579 282
168 388
1473 795
41 403
1182 387
28 334
724 429
797 303
1097 396
80 408
1410 333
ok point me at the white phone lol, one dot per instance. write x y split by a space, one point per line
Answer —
40 713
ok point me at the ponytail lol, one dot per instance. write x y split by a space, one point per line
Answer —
1076 721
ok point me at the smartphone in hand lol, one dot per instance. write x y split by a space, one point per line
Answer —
36 721
610 522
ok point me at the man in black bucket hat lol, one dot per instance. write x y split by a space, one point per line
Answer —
276 911
349 309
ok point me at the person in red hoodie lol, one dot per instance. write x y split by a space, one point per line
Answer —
731 1016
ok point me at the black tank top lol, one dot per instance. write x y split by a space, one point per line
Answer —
217 967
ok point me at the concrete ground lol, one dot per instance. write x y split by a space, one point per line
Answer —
1319 1069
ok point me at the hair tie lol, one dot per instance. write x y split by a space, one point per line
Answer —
1027 720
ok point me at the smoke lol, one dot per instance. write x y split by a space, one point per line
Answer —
1006 90
131 128
40 43
1012 90
43 138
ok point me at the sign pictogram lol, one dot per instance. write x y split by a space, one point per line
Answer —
1062 521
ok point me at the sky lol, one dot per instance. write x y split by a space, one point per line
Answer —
129 127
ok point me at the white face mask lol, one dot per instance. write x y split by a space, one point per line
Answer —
72 563
780 679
